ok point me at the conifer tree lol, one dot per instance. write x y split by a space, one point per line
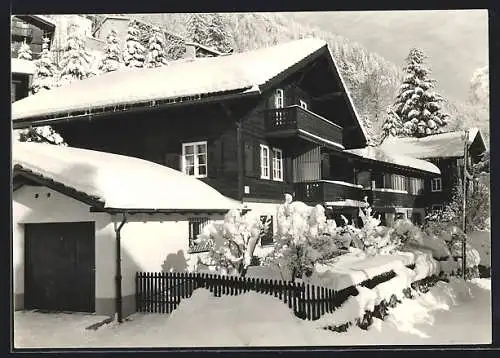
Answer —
112 59
156 48
24 52
45 70
417 105
134 51
76 60
218 35
175 48
198 28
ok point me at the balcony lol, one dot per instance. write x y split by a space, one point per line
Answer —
390 198
22 31
328 191
296 121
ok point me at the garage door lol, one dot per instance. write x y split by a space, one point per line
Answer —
59 266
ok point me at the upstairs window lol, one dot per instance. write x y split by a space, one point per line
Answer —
416 186
398 182
277 164
436 184
264 162
279 98
303 104
194 159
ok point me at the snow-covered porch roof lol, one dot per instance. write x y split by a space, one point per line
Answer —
18 65
443 145
116 183
383 156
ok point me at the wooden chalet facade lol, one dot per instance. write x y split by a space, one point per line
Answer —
288 125
446 151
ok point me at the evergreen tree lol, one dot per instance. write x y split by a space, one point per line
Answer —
218 35
45 70
175 48
392 126
134 51
76 61
198 28
112 60
417 105
156 48
24 52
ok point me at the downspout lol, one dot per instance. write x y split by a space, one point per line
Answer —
118 276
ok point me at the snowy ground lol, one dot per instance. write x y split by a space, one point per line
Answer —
481 241
454 313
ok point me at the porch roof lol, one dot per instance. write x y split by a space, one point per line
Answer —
116 183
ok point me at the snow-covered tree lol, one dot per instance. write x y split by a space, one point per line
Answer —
232 243
112 59
45 70
393 126
44 134
480 86
197 27
133 55
303 238
218 34
417 105
156 55
24 52
175 48
76 61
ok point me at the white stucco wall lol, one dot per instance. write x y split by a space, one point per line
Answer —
149 243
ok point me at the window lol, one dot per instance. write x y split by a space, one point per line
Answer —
398 182
279 98
277 164
194 159
264 161
196 226
266 236
303 104
416 186
436 184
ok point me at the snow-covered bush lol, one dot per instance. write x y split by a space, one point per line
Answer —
24 52
134 51
112 59
304 237
156 55
45 70
76 62
43 134
232 242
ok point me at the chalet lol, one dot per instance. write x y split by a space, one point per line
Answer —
85 222
30 29
253 125
446 151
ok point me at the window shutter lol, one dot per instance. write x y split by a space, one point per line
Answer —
173 160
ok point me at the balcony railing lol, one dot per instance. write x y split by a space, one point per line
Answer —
295 120
384 198
322 191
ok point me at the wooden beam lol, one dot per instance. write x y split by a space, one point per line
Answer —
305 72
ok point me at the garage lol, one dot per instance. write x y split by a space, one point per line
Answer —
60 267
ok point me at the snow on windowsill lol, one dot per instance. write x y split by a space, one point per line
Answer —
390 190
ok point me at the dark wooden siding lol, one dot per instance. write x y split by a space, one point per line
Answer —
158 135
385 199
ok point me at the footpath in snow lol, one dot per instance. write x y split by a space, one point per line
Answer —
450 313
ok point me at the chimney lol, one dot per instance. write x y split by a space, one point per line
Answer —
190 50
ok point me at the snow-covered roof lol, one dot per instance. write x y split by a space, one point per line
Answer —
18 65
117 181
45 19
384 156
239 72
443 145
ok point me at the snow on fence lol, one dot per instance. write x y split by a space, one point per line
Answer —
161 292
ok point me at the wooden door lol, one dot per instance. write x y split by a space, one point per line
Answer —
59 266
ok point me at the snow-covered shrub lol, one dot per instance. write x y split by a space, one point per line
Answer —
45 70
232 242
43 134
304 237
76 62
112 59
24 52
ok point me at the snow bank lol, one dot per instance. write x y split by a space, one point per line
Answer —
355 267
425 266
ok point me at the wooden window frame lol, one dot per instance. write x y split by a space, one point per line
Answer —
263 161
196 225
196 163
277 174
279 95
434 187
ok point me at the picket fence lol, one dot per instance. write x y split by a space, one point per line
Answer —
161 292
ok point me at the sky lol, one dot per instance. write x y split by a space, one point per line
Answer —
455 41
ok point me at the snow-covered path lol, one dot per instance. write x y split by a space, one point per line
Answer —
454 313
